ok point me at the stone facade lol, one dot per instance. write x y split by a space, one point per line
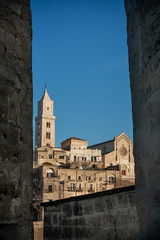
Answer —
103 215
76 169
143 29
16 120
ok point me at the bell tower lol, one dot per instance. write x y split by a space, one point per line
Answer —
45 122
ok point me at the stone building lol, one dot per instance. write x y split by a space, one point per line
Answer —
76 169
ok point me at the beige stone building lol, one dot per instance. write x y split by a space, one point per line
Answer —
76 168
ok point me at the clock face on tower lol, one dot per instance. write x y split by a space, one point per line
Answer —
123 151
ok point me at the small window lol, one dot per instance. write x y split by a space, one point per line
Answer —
72 186
61 157
50 156
49 174
79 186
75 158
47 108
123 172
88 178
100 178
79 177
91 186
47 135
84 158
50 188
93 158
38 135
69 177
48 124
112 179
39 125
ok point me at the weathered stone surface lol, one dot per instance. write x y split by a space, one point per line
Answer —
102 220
143 29
38 230
16 120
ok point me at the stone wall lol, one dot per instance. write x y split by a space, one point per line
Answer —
16 120
105 215
38 230
143 29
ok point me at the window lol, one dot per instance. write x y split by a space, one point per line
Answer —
48 124
79 186
100 178
72 186
47 108
50 156
90 187
49 188
112 179
75 158
84 158
69 177
123 172
61 157
93 158
39 125
48 144
79 177
38 135
50 173
48 135
88 178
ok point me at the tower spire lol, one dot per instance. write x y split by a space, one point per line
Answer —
45 86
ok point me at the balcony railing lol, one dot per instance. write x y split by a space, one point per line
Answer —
91 190
74 189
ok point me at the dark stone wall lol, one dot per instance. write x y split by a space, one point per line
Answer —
143 29
105 215
15 120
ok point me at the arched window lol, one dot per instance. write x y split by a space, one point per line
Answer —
48 135
112 179
48 124
124 169
50 172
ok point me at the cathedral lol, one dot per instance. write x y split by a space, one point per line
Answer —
75 168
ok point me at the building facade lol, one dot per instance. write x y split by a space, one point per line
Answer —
75 168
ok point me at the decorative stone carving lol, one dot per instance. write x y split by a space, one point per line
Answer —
123 151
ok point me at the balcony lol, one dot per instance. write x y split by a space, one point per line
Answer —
74 189
91 191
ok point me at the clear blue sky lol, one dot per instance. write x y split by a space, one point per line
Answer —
80 51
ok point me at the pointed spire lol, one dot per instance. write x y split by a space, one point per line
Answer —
45 94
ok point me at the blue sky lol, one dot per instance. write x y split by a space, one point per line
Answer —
80 51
